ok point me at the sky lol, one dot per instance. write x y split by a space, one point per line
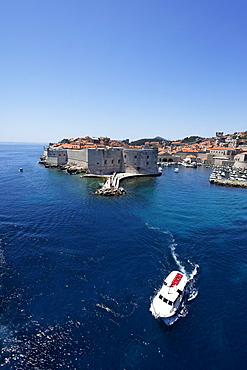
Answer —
126 69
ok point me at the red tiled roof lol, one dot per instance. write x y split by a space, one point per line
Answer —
222 148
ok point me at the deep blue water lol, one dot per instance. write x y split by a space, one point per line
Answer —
78 270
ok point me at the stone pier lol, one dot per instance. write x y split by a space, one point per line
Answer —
112 183
111 186
228 182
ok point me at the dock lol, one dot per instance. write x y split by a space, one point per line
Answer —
112 183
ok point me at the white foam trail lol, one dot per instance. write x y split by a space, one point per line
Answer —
118 314
193 292
193 295
172 247
194 272
175 257
104 307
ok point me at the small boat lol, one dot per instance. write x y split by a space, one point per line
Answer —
21 169
168 299
176 169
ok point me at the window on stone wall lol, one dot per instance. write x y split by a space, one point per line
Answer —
147 163
106 161
112 161
119 161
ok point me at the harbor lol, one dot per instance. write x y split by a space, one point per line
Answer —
228 176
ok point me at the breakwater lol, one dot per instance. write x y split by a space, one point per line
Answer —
112 184
229 182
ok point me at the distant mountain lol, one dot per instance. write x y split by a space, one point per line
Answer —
158 139
191 139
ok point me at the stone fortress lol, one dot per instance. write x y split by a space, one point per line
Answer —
101 160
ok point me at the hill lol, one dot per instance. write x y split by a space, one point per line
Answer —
192 139
157 139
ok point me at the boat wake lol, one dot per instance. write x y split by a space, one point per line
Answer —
191 291
175 256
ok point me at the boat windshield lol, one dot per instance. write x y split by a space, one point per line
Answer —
167 301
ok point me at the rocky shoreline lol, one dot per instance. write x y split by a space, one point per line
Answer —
110 192
228 182
71 169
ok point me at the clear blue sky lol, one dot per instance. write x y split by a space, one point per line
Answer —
122 68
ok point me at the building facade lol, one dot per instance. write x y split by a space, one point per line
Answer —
105 161
240 161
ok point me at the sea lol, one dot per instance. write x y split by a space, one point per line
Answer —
78 271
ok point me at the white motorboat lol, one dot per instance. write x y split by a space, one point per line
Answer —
168 299
176 169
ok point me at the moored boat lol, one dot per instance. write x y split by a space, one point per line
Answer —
168 299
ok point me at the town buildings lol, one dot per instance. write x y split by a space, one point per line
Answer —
219 150
102 156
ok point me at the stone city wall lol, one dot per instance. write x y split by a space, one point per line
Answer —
105 161
142 161
56 157
77 157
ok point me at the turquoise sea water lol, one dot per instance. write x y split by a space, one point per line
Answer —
78 271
